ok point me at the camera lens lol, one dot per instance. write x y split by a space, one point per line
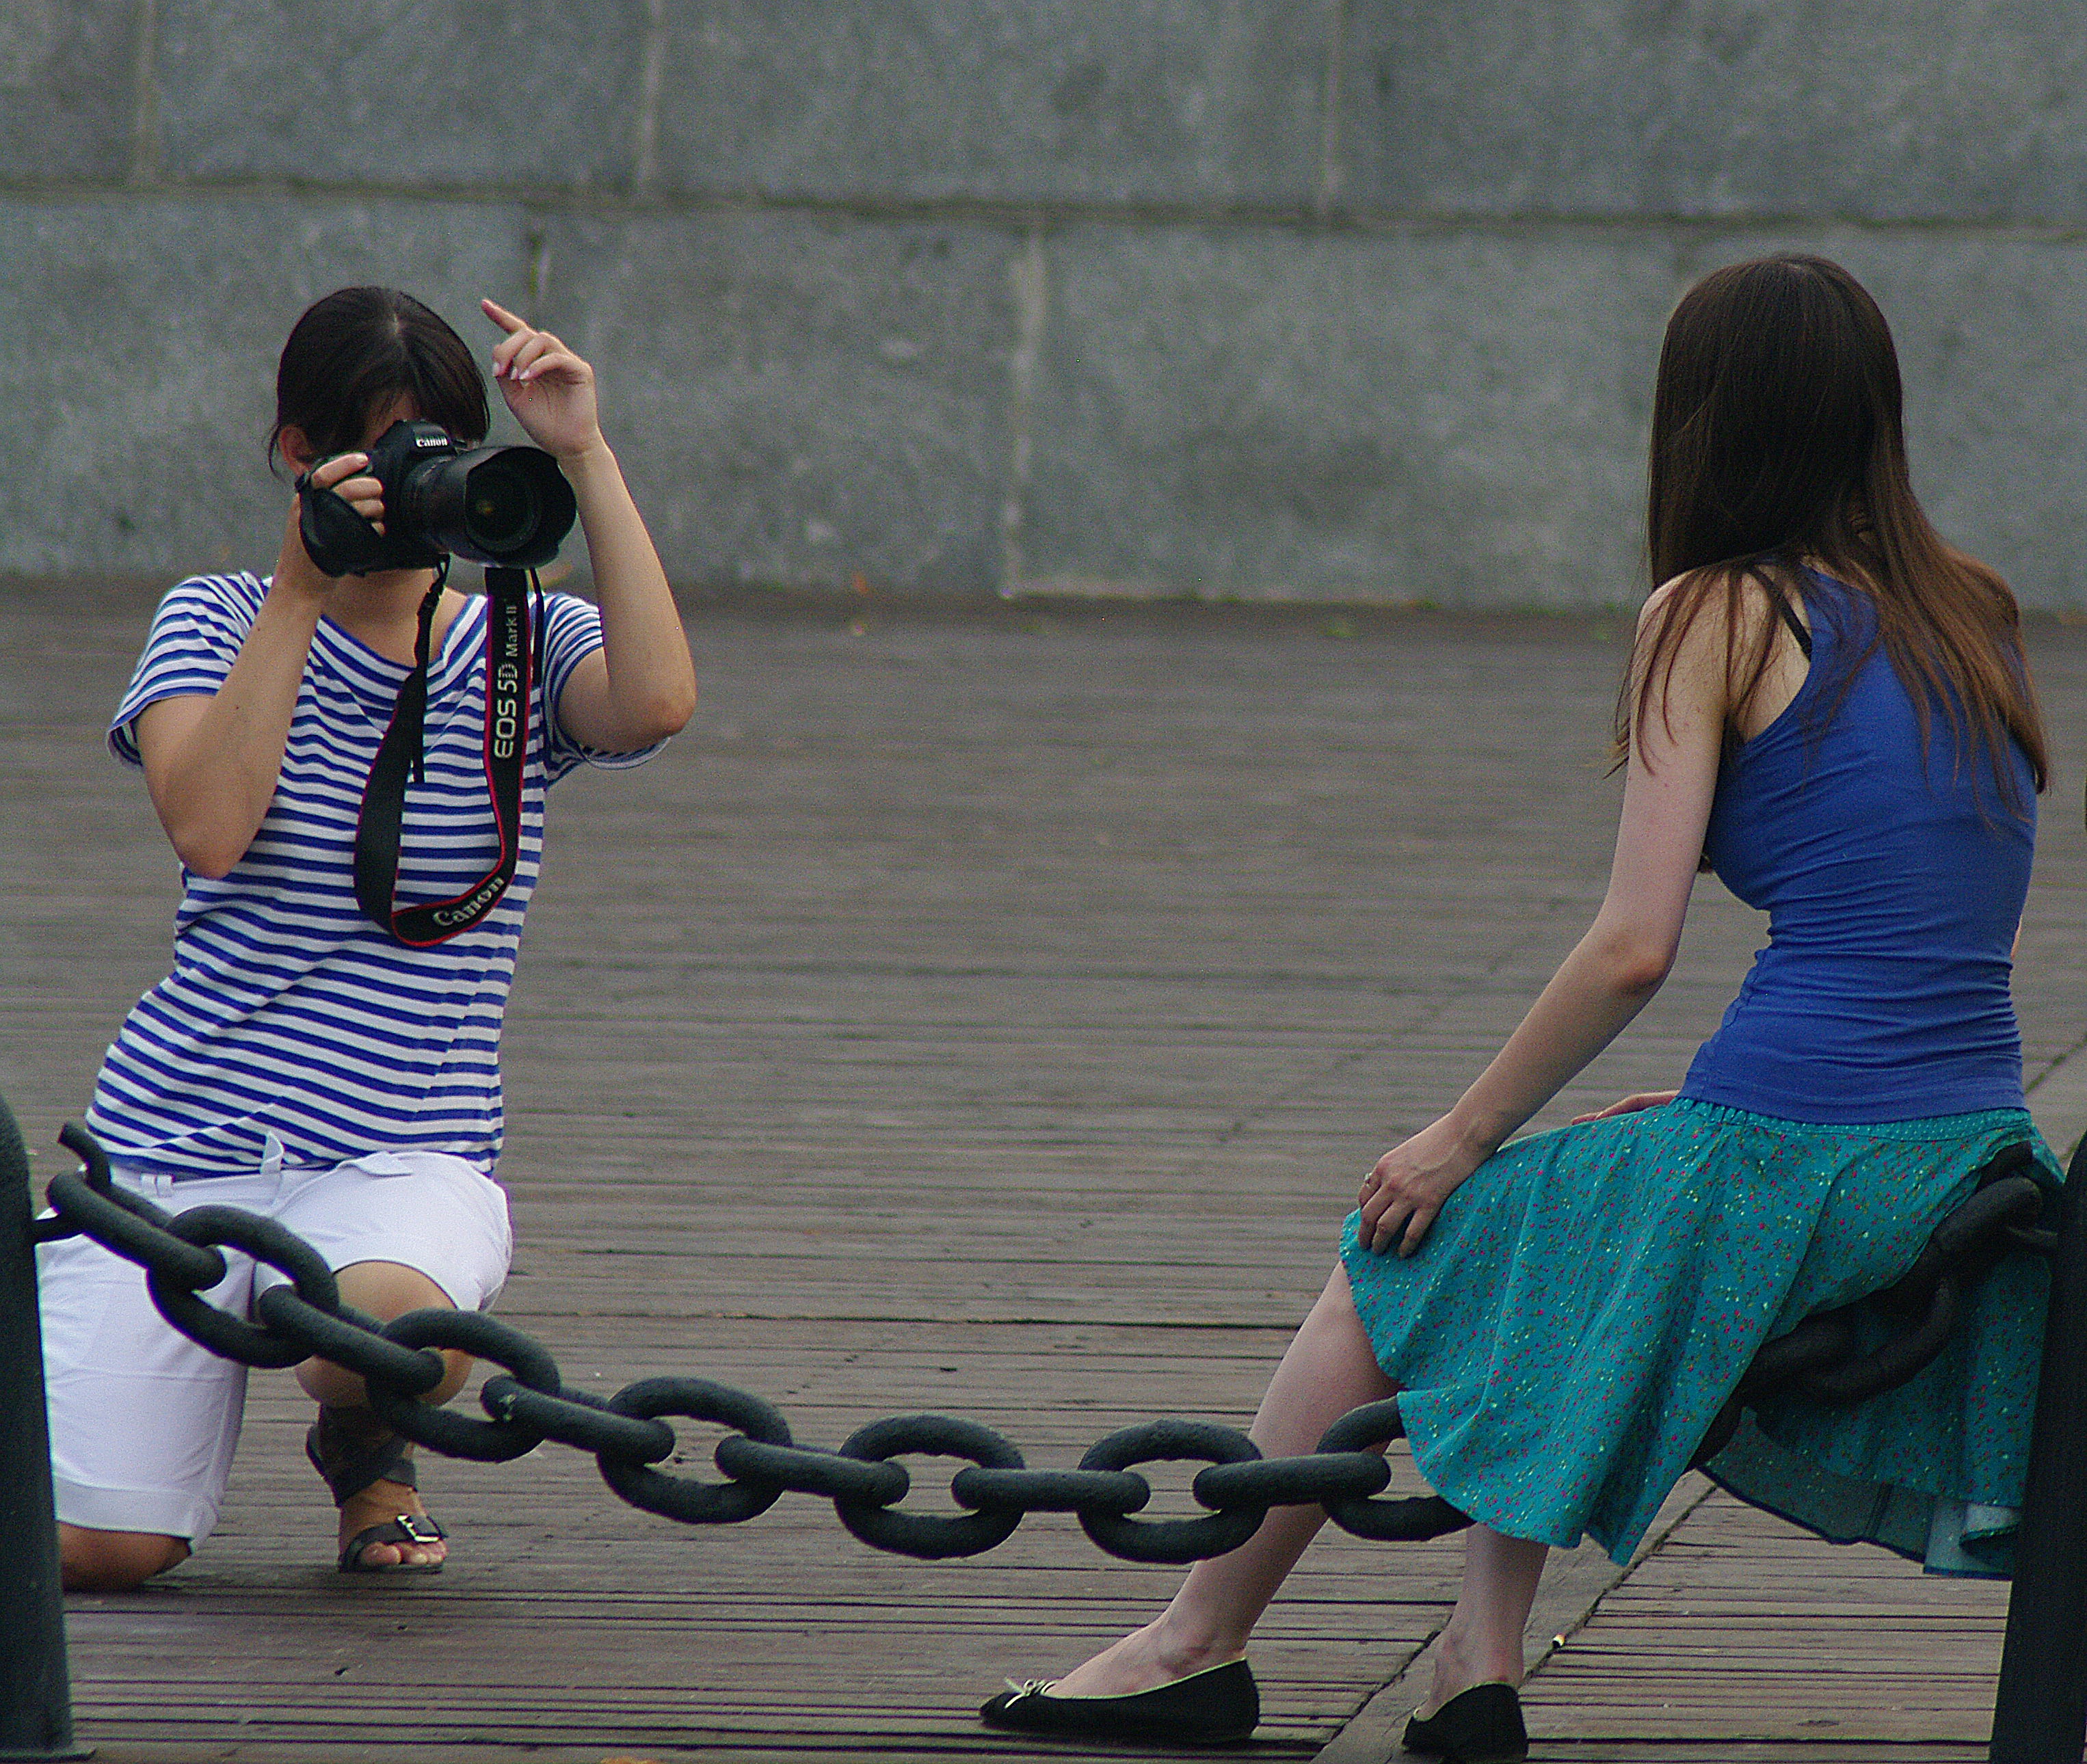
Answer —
493 504
499 510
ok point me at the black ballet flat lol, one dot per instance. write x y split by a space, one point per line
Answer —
1211 1707
1481 1725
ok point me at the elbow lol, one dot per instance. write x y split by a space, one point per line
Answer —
206 845
203 855
631 721
1634 963
664 714
674 716
1641 980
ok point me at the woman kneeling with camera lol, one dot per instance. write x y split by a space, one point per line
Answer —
326 1050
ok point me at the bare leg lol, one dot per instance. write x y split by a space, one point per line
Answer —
385 1290
1481 1643
1328 1370
114 1562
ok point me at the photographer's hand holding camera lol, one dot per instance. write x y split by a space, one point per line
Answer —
211 763
338 754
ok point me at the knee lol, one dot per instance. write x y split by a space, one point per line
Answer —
1335 1316
114 1562
385 1290
337 1387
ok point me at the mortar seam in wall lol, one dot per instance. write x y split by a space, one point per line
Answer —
645 143
1330 179
146 166
1019 214
1030 276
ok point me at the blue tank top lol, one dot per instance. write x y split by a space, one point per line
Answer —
1894 886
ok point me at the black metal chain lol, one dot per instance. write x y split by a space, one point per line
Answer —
1820 1361
526 1402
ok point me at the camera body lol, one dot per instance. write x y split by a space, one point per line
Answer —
497 505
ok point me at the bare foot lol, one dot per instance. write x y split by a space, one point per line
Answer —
373 1506
1142 1660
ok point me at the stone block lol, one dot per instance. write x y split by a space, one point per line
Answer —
1151 100
68 89
139 375
800 399
391 93
1415 416
1460 417
1987 329
1876 110
1414 413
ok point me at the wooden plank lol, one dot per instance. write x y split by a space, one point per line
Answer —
1743 1628
984 1020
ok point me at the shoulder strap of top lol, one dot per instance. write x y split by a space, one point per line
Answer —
1796 625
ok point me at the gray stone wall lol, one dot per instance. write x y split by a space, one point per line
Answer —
1350 299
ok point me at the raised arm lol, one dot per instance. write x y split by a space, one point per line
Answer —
211 763
1610 972
640 686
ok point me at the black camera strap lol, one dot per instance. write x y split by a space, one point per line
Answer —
510 673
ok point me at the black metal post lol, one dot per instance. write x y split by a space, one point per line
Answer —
2040 1715
36 1693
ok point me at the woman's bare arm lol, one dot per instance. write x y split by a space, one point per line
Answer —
640 686
212 762
1609 974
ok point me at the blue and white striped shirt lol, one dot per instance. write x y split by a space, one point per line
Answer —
289 1016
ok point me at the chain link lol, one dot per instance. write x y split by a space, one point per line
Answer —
526 1402
1822 1359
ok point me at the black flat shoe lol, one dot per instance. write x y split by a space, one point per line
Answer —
1481 1725
1211 1707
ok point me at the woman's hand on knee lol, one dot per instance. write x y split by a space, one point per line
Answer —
1405 1190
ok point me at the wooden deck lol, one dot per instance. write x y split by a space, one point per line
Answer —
989 1015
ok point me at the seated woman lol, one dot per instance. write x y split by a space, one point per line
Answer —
1830 706
321 1054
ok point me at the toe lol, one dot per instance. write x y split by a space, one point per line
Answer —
374 1505
397 1555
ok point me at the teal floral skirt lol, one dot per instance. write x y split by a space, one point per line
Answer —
1584 1304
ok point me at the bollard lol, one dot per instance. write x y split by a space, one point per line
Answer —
35 1694
2040 1715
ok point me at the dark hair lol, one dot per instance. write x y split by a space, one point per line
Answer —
357 349
1778 436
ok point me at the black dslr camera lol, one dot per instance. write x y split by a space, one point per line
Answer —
499 506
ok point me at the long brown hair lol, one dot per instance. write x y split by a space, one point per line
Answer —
1779 439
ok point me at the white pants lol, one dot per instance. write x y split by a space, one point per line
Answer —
143 1420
